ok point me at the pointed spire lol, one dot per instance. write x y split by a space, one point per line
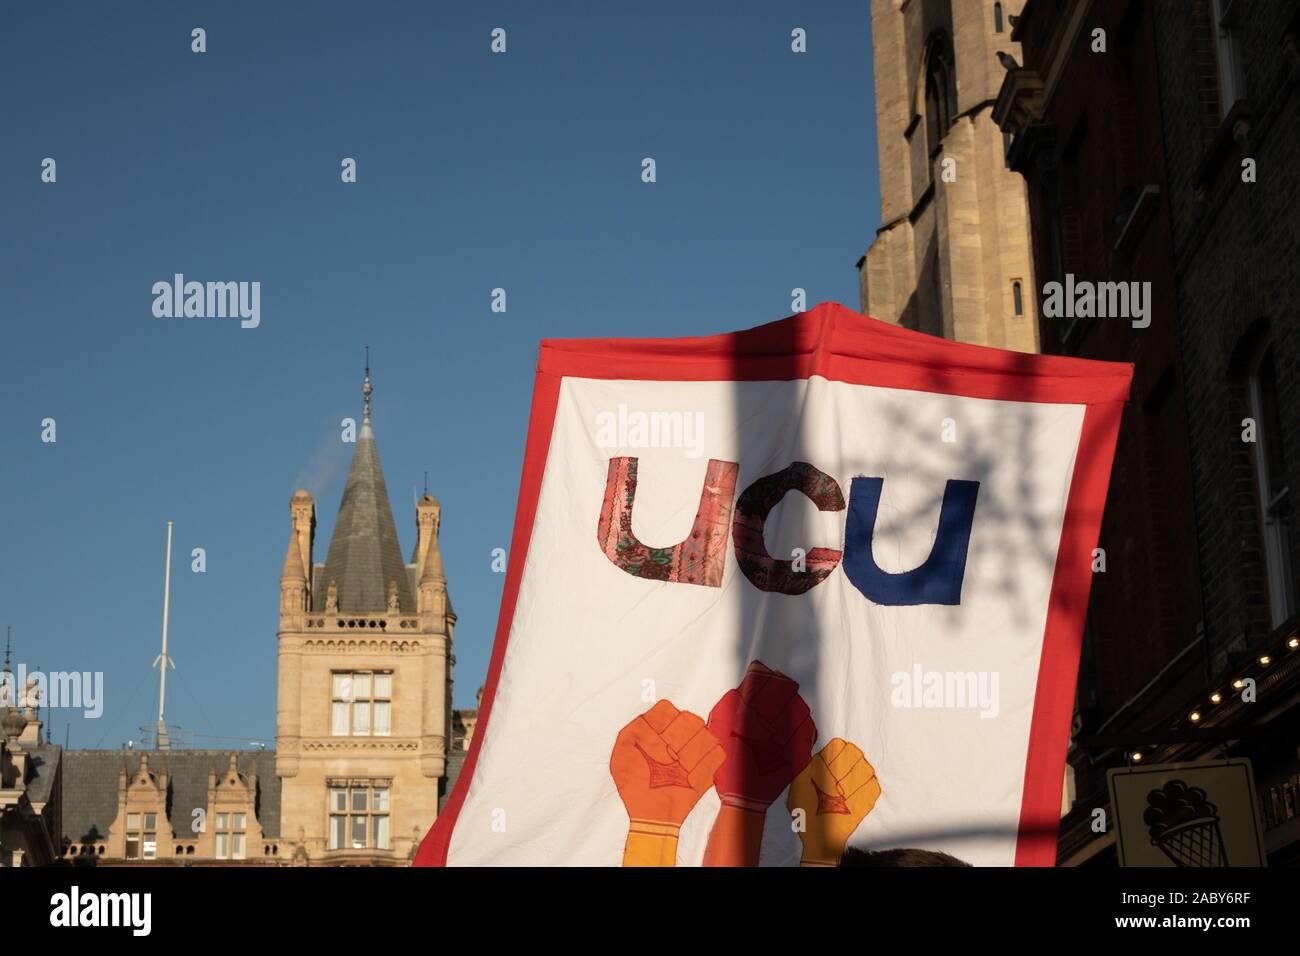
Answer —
366 389
433 581
293 569
364 555
433 572
13 723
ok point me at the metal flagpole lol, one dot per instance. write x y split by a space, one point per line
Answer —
162 660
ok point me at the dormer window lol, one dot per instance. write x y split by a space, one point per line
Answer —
141 836
231 833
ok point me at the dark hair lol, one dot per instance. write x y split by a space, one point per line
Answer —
903 857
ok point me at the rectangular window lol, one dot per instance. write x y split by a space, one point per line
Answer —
141 836
231 835
339 719
1273 491
359 816
361 703
361 718
1227 49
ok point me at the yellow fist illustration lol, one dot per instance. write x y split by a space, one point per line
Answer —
835 792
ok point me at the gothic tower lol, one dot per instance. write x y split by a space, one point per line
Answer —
951 256
363 715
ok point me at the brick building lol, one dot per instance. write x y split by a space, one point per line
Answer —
1134 123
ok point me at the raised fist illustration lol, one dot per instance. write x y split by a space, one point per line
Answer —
835 792
767 732
662 763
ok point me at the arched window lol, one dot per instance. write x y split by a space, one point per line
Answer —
1017 297
997 18
940 90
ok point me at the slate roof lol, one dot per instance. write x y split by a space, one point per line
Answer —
45 769
90 787
455 761
364 554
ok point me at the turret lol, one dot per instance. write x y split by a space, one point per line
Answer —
433 580
303 511
294 589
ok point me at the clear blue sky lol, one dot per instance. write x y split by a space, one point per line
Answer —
475 171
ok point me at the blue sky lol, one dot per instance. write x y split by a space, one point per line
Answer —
475 171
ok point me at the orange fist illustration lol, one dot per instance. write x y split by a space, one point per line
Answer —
835 792
663 762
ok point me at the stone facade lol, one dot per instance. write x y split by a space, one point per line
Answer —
172 808
367 744
951 257
363 716
31 784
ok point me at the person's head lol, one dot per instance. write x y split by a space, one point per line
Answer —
901 857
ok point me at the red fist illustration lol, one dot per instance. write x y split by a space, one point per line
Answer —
767 732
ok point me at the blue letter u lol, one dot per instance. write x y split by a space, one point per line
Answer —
938 580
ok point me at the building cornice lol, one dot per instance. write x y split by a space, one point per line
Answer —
1026 93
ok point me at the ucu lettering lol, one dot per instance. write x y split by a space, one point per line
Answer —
699 558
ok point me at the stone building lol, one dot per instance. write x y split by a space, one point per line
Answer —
367 743
173 808
31 781
1155 137
951 256
363 715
